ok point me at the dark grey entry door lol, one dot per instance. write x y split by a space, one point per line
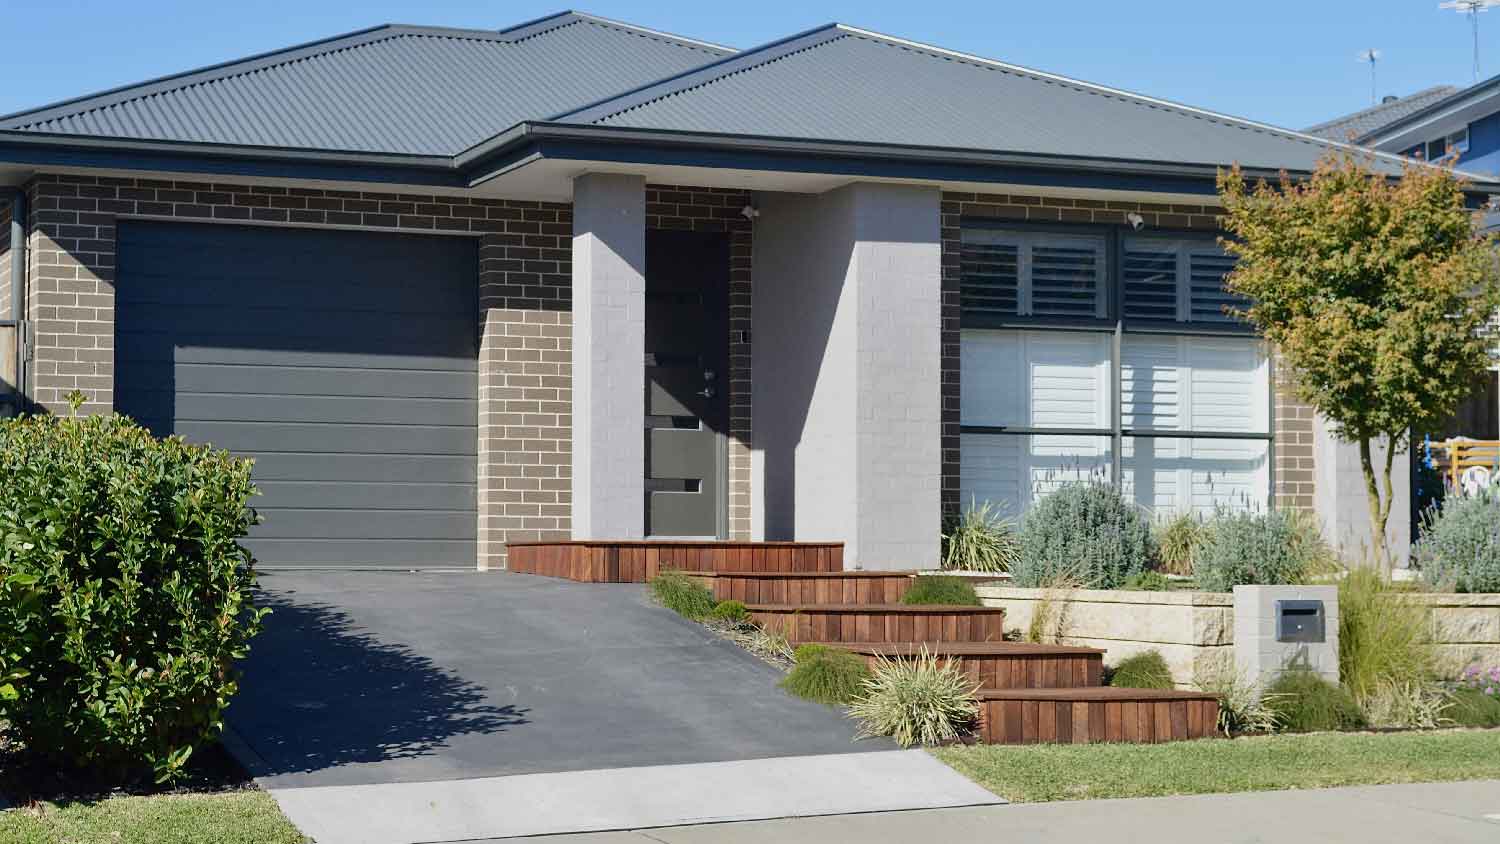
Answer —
687 399
344 362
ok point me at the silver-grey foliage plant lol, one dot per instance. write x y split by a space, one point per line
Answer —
1084 533
1460 544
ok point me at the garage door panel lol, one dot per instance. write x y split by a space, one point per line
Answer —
227 407
300 381
425 468
330 438
140 348
344 363
373 553
322 523
368 495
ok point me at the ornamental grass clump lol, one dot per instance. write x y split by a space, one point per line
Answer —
983 538
1266 549
1180 539
125 594
1145 670
919 700
1460 546
730 612
1084 533
1305 702
1386 659
940 589
826 675
683 594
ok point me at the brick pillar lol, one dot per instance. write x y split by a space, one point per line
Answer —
609 347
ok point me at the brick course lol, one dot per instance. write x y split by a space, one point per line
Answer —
1293 455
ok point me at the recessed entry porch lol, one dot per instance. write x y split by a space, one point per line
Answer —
843 379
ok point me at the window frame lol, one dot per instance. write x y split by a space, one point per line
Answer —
1115 325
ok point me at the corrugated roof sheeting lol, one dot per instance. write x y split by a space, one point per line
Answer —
414 92
1371 119
856 87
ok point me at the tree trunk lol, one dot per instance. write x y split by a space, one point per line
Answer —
1379 511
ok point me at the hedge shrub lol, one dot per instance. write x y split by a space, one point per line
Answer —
826 675
1268 549
1086 535
1460 544
1145 670
125 596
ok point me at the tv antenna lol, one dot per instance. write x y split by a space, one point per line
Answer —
1370 57
1472 8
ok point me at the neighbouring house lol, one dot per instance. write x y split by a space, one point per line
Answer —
578 278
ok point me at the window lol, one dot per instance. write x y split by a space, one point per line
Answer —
1192 428
1456 143
1178 280
1020 273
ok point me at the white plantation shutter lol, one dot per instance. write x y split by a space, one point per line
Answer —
1022 273
1181 280
1031 379
1195 384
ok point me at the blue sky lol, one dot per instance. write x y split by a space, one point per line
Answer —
1289 63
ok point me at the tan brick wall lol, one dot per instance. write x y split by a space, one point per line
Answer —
718 210
1293 422
6 306
525 379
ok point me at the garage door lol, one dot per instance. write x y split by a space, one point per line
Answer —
343 362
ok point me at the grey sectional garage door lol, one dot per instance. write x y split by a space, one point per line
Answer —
343 362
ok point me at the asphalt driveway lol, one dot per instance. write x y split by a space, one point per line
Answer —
383 677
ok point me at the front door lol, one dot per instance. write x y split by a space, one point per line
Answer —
687 401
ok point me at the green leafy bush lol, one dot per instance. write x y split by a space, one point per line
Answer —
1086 534
683 594
1145 670
1147 581
1179 541
982 539
1267 549
1305 702
940 589
125 596
730 612
826 675
919 700
1386 660
1460 545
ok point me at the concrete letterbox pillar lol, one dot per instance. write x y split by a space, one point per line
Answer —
1279 627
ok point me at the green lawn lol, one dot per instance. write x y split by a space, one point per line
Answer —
1320 760
237 817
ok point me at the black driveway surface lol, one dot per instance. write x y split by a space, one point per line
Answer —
376 677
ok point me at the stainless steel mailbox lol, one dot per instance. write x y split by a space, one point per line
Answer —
1300 621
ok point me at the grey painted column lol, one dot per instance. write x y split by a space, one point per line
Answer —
847 323
1340 500
609 318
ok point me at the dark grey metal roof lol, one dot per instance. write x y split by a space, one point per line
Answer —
1377 117
846 84
391 89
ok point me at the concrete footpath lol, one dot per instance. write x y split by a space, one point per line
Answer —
1437 813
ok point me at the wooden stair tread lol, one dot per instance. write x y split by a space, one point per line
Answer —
1093 693
898 609
1020 649
852 575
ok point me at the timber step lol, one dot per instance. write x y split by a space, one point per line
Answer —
1079 716
837 587
1000 665
880 622
637 561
